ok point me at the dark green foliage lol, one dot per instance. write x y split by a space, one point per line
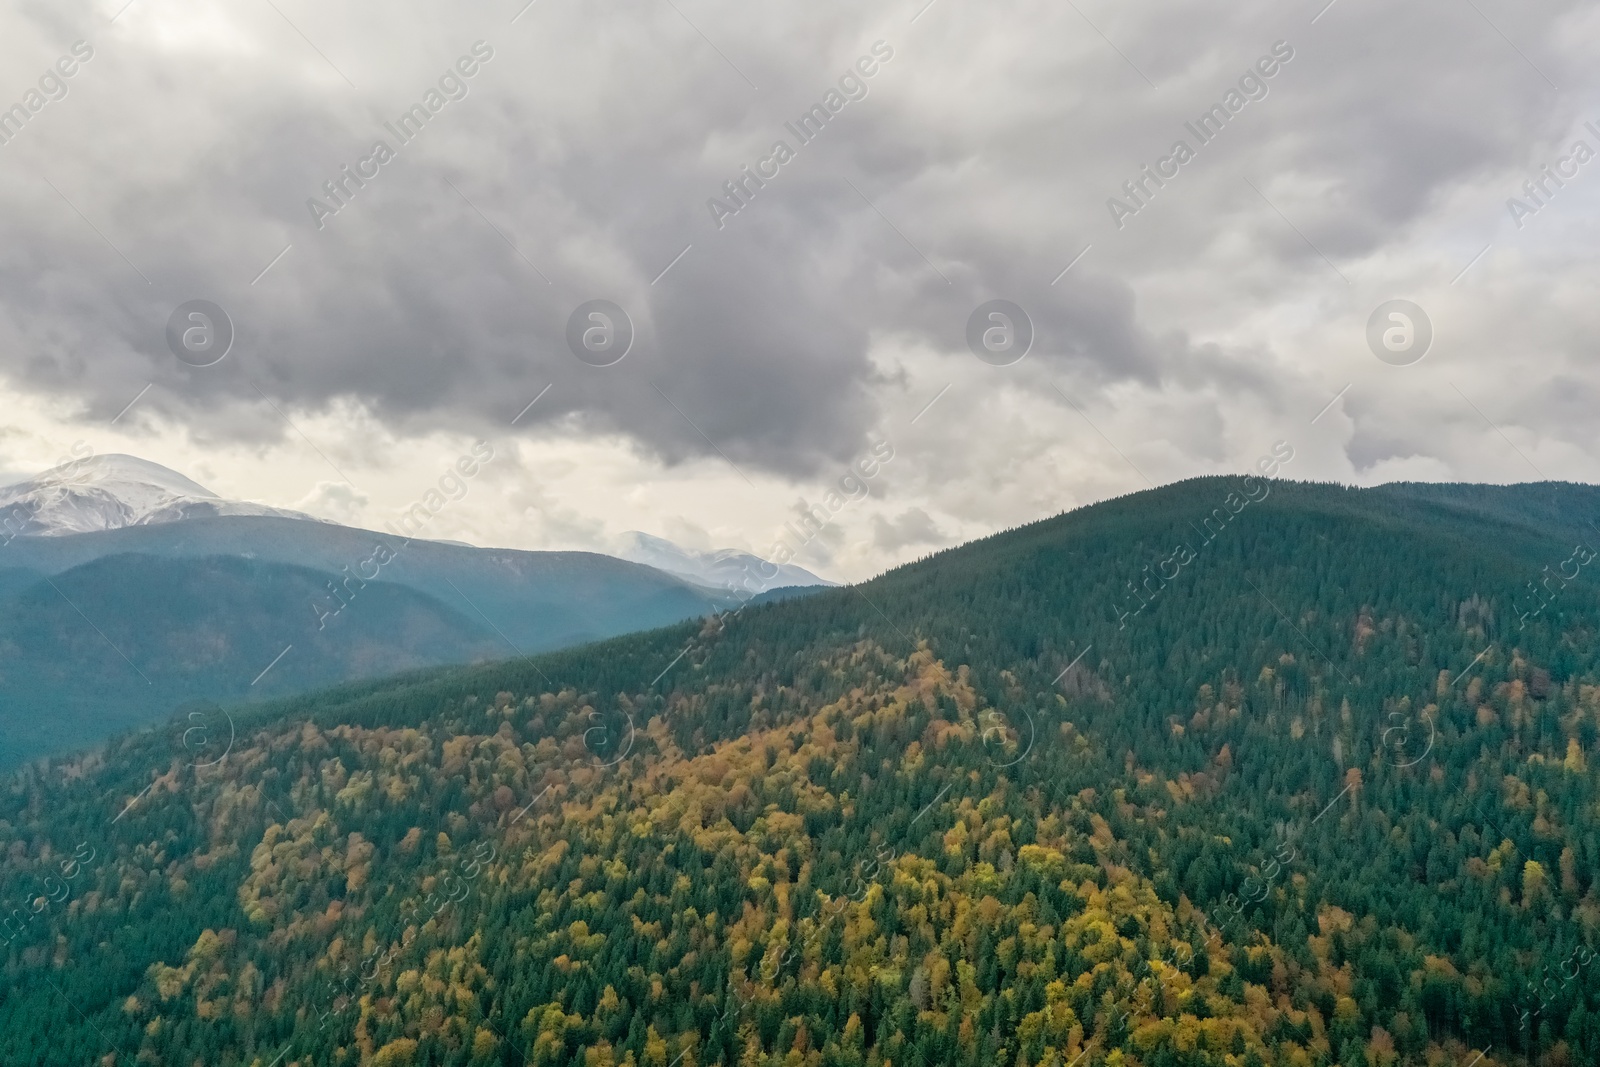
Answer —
1326 793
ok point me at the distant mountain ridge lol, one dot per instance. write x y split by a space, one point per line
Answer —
723 569
127 589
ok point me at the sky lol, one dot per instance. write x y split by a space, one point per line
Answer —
406 213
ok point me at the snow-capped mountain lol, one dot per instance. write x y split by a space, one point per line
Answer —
718 570
109 493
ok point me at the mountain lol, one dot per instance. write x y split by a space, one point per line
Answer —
540 600
125 639
171 594
1231 773
111 492
721 570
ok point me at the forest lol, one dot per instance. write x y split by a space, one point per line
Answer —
1326 798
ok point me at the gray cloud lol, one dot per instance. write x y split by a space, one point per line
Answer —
593 138
912 527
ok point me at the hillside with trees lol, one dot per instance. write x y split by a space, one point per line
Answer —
1233 772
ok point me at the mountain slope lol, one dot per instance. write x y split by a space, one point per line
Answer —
286 581
540 600
77 665
1228 773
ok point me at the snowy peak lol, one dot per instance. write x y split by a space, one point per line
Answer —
108 493
719 570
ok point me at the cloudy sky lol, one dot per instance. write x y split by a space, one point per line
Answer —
1200 322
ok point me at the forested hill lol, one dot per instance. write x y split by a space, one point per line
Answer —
1232 772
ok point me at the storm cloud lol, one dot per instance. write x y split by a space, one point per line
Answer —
576 165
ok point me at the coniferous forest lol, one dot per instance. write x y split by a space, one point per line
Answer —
1232 772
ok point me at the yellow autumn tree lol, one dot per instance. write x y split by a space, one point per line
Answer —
1534 881
400 1052
483 1044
